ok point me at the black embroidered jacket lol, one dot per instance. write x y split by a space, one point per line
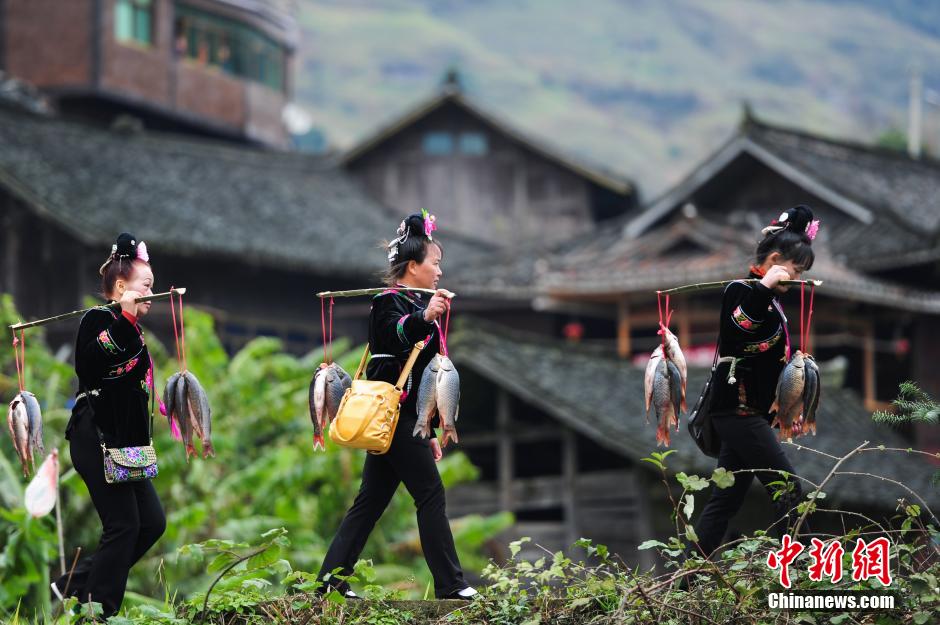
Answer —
112 358
754 330
396 323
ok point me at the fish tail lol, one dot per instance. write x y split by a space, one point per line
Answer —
190 451
662 436
208 450
318 442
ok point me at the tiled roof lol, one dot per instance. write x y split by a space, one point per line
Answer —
891 201
692 250
196 197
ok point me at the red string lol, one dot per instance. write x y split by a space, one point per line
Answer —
323 325
182 333
19 355
446 327
327 341
668 317
809 319
178 336
806 316
802 316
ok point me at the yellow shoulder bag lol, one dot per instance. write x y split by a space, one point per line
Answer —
368 413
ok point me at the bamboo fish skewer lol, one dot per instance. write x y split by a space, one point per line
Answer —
377 290
703 286
156 297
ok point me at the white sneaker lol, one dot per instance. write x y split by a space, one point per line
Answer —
55 591
351 595
468 593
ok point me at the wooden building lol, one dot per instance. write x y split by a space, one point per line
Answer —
212 67
482 176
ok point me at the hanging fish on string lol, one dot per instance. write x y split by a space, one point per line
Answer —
24 421
664 382
189 413
327 388
439 392
797 396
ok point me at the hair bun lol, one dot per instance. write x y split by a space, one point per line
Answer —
415 224
799 217
126 245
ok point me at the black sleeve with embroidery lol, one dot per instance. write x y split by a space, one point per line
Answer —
744 312
398 325
108 347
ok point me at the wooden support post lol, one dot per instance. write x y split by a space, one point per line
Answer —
505 450
624 349
569 473
869 360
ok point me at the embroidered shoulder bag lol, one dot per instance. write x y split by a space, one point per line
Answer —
128 464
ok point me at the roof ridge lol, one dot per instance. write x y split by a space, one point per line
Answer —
172 141
584 166
752 122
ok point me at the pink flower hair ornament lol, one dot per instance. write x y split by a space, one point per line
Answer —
142 252
812 229
429 223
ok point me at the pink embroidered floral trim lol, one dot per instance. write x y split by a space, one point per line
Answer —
743 321
763 346
123 369
107 343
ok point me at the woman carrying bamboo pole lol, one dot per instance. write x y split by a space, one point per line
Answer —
755 339
114 409
398 320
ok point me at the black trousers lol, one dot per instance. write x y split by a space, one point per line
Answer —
746 443
408 460
132 520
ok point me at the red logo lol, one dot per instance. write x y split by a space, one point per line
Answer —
827 560
782 559
869 559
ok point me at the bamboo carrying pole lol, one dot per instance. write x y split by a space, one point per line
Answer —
156 297
377 290
703 286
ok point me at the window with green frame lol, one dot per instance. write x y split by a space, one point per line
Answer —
133 21
232 46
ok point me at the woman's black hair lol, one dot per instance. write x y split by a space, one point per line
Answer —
120 263
414 247
788 237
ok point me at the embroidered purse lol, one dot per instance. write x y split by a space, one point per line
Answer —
129 464
368 413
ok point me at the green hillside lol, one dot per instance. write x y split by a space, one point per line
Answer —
646 87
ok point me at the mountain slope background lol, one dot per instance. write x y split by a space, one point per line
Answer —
645 87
